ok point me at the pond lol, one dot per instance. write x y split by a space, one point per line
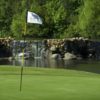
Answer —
36 47
89 65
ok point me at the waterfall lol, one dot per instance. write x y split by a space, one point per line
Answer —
37 47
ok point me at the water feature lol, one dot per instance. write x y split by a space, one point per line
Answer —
83 65
36 48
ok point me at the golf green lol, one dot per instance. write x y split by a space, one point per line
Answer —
48 84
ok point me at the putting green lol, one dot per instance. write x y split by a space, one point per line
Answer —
48 84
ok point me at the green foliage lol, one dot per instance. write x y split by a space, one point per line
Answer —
56 17
61 18
89 16
6 15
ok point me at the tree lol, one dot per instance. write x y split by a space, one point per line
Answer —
61 18
89 18
72 9
6 14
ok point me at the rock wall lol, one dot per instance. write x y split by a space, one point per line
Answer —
72 48
5 49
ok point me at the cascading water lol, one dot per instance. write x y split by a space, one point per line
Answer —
32 52
37 47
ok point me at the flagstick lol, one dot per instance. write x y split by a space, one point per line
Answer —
23 60
21 78
38 21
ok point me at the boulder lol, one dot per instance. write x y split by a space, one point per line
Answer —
53 48
56 56
69 56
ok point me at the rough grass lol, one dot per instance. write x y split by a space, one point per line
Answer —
48 84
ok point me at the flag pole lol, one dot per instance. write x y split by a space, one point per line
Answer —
23 49
33 18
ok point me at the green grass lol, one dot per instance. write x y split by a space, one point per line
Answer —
48 84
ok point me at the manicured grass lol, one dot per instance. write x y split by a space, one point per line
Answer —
48 84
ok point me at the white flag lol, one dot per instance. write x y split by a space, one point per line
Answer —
33 18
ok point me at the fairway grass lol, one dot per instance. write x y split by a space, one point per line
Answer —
48 84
